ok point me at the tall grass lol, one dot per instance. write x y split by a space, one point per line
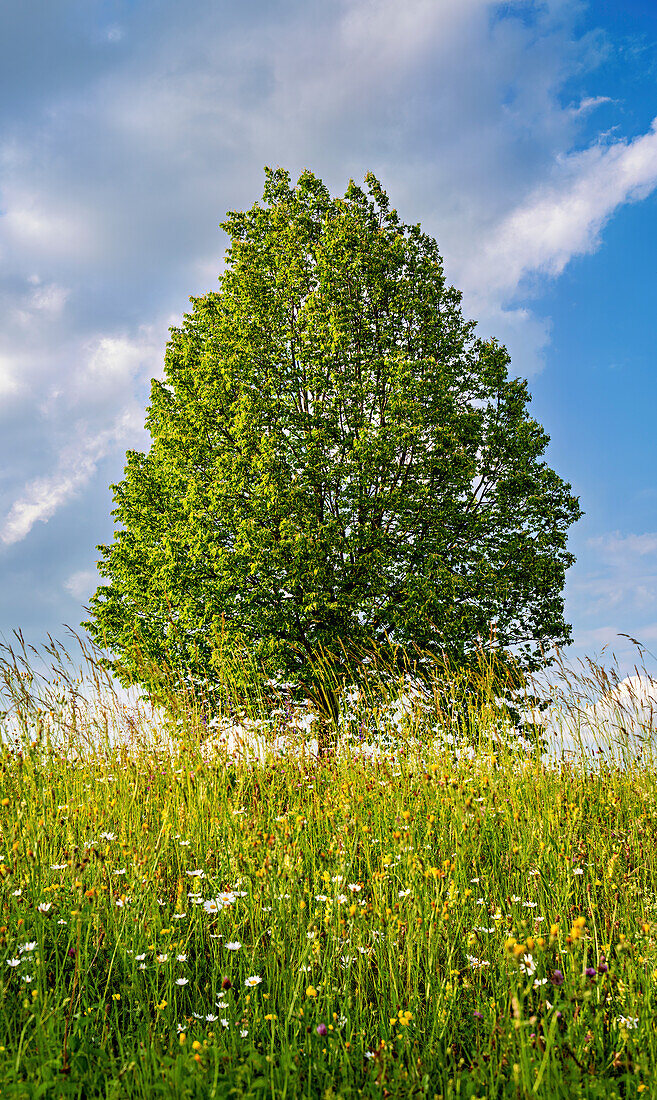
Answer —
196 908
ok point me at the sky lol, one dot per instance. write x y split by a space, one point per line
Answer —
521 135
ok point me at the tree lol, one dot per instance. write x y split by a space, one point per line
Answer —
337 462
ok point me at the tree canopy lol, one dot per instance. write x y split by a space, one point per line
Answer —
337 462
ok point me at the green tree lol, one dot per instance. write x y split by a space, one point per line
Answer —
337 462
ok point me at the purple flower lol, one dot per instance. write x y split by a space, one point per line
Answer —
557 977
477 1015
590 972
322 1029
602 965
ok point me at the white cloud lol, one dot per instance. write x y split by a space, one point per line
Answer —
100 410
8 376
49 299
112 365
82 583
564 218
616 546
589 103
618 574
45 302
44 495
43 224
388 35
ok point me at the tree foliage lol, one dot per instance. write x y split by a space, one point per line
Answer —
337 462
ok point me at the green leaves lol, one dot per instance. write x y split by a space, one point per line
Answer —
336 460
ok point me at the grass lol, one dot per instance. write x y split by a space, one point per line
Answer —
179 923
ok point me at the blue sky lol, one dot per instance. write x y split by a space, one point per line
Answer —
520 135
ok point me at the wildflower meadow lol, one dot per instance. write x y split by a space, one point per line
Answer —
188 911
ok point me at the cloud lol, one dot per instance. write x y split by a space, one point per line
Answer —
49 299
619 571
43 496
564 218
43 225
82 583
98 413
616 547
8 376
611 646
590 103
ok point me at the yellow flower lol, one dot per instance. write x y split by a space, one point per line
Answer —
196 1045
311 991
271 1016
182 1038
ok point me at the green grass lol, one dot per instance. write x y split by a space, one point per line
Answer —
456 928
